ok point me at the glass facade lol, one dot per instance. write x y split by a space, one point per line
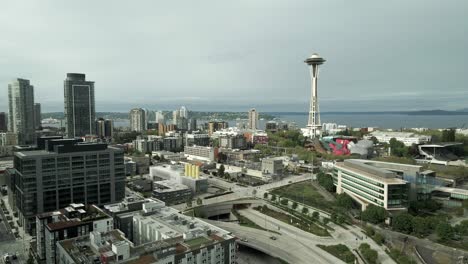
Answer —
372 190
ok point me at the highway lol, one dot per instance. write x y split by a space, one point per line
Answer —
244 192
284 247
295 245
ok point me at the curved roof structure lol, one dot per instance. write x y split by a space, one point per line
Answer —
315 59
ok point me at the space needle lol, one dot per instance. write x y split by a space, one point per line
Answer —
314 127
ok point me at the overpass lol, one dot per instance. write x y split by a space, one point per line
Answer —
221 208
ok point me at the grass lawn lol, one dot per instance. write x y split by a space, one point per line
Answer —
304 192
340 251
308 226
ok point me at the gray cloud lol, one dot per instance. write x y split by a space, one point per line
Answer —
231 55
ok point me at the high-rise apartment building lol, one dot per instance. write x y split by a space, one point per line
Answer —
80 110
37 116
183 112
104 128
138 120
62 171
214 126
3 122
175 116
160 119
21 110
253 119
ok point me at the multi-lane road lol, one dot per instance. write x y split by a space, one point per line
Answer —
292 245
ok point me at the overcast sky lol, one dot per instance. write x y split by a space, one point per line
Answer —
232 55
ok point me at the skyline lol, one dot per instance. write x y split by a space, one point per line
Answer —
162 56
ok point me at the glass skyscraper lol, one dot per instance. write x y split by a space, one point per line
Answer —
21 110
80 111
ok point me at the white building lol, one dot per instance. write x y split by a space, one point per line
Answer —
333 128
161 235
253 119
408 138
201 153
369 184
160 118
138 120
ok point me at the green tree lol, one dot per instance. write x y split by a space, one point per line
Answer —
305 210
326 221
403 223
265 195
448 135
369 230
421 226
315 215
444 231
284 201
294 205
273 197
462 228
344 200
340 219
368 253
254 192
398 148
221 170
374 214
326 181
333 217
379 238
199 201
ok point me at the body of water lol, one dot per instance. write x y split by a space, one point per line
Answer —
395 121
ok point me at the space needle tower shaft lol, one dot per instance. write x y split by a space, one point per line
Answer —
313 125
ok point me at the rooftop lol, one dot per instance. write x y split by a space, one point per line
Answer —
168 186
73 215
442 145
366 169
181 234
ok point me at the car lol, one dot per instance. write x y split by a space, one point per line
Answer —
273 238
244 239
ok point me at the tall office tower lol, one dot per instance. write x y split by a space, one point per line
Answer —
108 128
160 117
314 128
253 119
3 122
37 115
63 171
21 110
175 116
104 128
138 119
80 110
192 124
183 112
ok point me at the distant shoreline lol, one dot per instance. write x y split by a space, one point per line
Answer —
278 114
423 112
